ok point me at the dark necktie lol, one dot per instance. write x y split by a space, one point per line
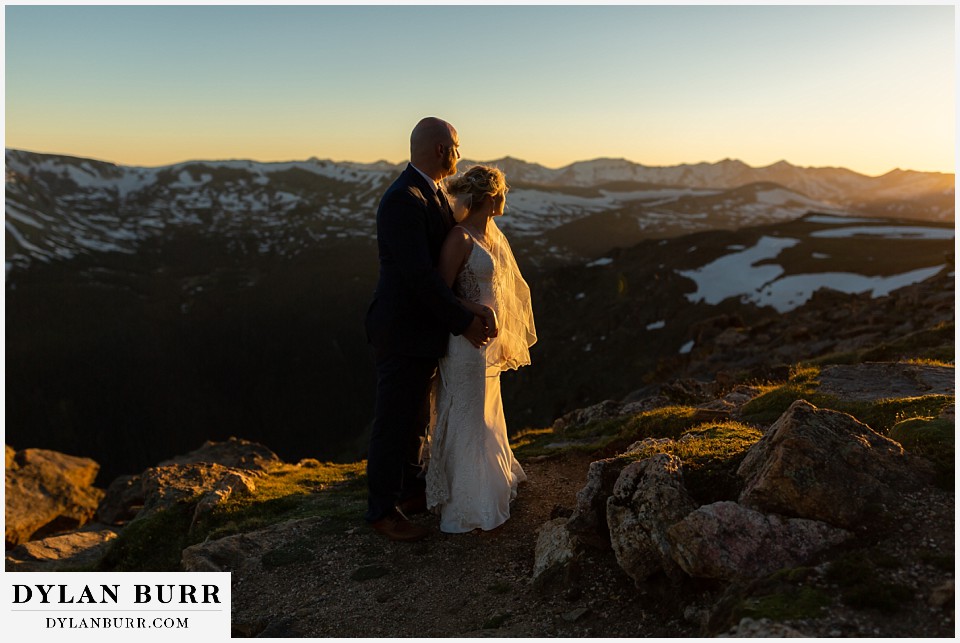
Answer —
443 199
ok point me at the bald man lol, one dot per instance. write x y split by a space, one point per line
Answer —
408 323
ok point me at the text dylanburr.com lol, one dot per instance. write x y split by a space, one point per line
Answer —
63 606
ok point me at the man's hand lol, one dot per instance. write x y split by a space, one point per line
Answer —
490 321
476 332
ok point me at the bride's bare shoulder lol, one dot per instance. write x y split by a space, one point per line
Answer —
459 238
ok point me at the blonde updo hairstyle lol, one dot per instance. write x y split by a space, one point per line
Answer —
478 183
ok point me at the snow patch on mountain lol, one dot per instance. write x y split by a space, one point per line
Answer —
837 219
39 253
738 275
603 261
795 290
13 212
887 232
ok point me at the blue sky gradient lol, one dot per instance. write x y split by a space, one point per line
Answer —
870 87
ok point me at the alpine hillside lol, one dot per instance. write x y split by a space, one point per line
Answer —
148 308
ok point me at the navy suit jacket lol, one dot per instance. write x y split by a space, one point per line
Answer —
413 311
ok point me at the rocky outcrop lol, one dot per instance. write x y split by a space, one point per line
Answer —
65 552
732 401
47 492
727 541
243 553
647 499
823 465
813 479
876 381
606 410
762 628
198 477
159 488
235 453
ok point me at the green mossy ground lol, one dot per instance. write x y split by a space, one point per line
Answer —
931 345
934 439
710 451
856 573
335 492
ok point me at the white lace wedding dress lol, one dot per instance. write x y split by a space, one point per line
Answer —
472 474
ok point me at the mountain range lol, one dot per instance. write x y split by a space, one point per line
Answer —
149 309
59 207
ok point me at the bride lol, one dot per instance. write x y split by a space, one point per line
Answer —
472 474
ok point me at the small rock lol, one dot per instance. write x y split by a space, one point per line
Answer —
283 628
369 572
693 614
572 594
942 595
761 629
556 548
575 615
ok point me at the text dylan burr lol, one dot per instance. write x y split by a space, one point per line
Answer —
142 594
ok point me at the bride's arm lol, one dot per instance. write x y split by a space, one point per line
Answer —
453 253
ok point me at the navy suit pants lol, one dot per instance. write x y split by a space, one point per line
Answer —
401 415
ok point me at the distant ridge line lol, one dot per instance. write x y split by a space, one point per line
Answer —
383 164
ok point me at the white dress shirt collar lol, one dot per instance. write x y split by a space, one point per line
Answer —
430 181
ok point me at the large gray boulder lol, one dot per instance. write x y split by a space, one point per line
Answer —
589 518
824 465
728 541
243 553
881 380
647 499
47 492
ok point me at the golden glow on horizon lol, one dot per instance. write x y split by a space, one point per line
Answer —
869 88
554 140
158 147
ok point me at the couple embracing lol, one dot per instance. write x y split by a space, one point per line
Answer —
451 312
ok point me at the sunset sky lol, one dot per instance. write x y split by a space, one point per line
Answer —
868 87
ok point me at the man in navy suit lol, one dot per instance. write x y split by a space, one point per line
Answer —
408 323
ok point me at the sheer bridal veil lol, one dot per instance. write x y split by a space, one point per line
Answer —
510 349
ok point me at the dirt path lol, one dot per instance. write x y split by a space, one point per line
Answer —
355 583
360 584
